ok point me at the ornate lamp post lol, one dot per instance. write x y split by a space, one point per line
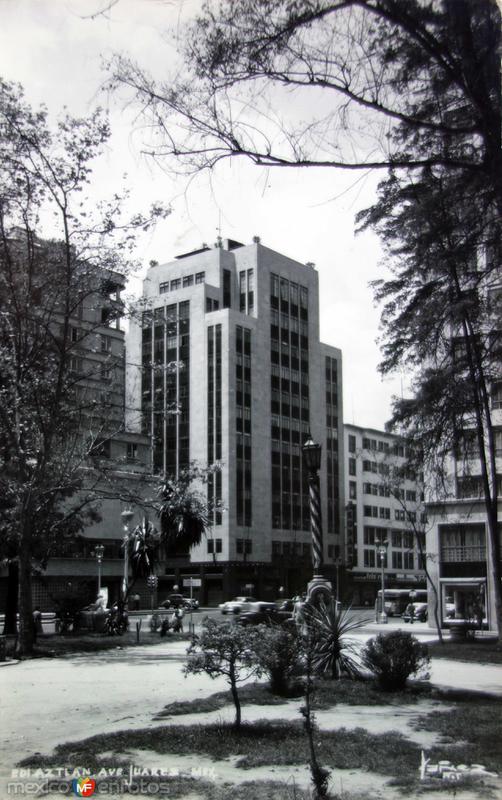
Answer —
381 548
127 516
99 551
318 586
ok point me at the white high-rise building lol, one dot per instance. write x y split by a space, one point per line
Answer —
226 367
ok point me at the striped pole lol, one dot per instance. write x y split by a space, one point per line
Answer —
316 524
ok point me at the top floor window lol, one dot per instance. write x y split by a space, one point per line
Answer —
200 277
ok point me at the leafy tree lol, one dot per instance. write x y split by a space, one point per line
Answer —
224 649
442 320
56 249
400 85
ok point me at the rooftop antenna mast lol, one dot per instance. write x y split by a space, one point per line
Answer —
219 240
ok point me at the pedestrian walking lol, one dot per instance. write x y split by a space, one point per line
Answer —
178 620
410 612
37 623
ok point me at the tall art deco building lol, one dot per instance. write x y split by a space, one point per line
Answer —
226 367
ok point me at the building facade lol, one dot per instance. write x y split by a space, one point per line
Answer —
227 370
112 462
383 503
461 563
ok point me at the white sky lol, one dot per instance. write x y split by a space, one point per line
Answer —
54 49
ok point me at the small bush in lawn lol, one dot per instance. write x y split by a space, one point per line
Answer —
393 657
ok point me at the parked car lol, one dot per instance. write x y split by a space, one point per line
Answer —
180 601
237 605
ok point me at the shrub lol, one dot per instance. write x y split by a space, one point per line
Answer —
393 657
334 652
277 651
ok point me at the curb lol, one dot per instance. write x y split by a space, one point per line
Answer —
10 662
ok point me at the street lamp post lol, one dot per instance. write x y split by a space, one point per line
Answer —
127 516
318 587
381 547
99 551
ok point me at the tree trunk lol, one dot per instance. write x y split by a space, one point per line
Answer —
25 640
235 697
10 624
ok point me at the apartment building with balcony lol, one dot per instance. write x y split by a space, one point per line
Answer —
463 564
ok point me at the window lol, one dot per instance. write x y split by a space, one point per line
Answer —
106 343
175 284
132 451
369 466
352 466
214 546
105 372
411 496
244 546
352 444
496 393
397 539
200 277
369 535
163 287
399 514
369 558
76 365
384 513
407 539
187 280
408 560
397 560
352 490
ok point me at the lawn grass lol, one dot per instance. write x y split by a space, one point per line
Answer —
263 743
482 651
327 694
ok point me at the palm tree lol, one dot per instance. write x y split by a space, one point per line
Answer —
183 513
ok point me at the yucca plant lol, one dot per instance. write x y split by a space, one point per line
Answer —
334 652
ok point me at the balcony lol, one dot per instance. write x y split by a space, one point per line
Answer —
457 554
